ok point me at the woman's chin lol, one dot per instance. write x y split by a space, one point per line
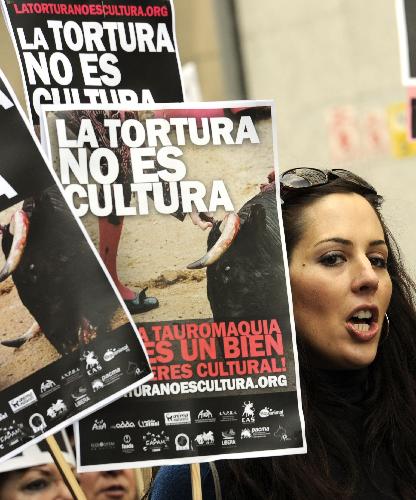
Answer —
358 357
348 357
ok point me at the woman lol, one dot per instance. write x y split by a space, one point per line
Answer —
32 475
356 324
43 482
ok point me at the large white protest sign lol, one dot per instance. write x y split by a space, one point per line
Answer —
221 344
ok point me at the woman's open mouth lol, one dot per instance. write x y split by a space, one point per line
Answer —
362 323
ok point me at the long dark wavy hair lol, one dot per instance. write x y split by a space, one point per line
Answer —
390 404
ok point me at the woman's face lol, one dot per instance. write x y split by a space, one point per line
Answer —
340 284
43 482
110 485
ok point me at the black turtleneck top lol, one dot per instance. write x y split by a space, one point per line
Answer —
347 414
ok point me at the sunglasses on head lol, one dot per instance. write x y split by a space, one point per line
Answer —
301 178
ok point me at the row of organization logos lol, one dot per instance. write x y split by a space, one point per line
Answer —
247 415
57 396
223 429
159 441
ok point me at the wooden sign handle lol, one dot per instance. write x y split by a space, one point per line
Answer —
196 482
65 469
143 479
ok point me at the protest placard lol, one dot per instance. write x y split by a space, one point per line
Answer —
95 52
406 24
54 285
221 344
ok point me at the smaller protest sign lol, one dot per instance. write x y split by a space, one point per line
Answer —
406 24
53 285
100 53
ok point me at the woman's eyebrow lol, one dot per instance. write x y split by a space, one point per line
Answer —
377 242
45 472
345 242
342 241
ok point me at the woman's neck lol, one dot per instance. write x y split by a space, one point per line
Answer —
349 385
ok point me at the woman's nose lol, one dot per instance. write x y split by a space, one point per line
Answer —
365 278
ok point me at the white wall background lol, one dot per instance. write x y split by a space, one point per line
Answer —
314 56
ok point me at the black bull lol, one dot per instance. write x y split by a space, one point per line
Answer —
245 271
56 274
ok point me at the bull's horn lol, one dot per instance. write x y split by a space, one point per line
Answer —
19 227
19 341
231 227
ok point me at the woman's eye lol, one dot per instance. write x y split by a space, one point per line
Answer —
332 259
378 261
36 485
